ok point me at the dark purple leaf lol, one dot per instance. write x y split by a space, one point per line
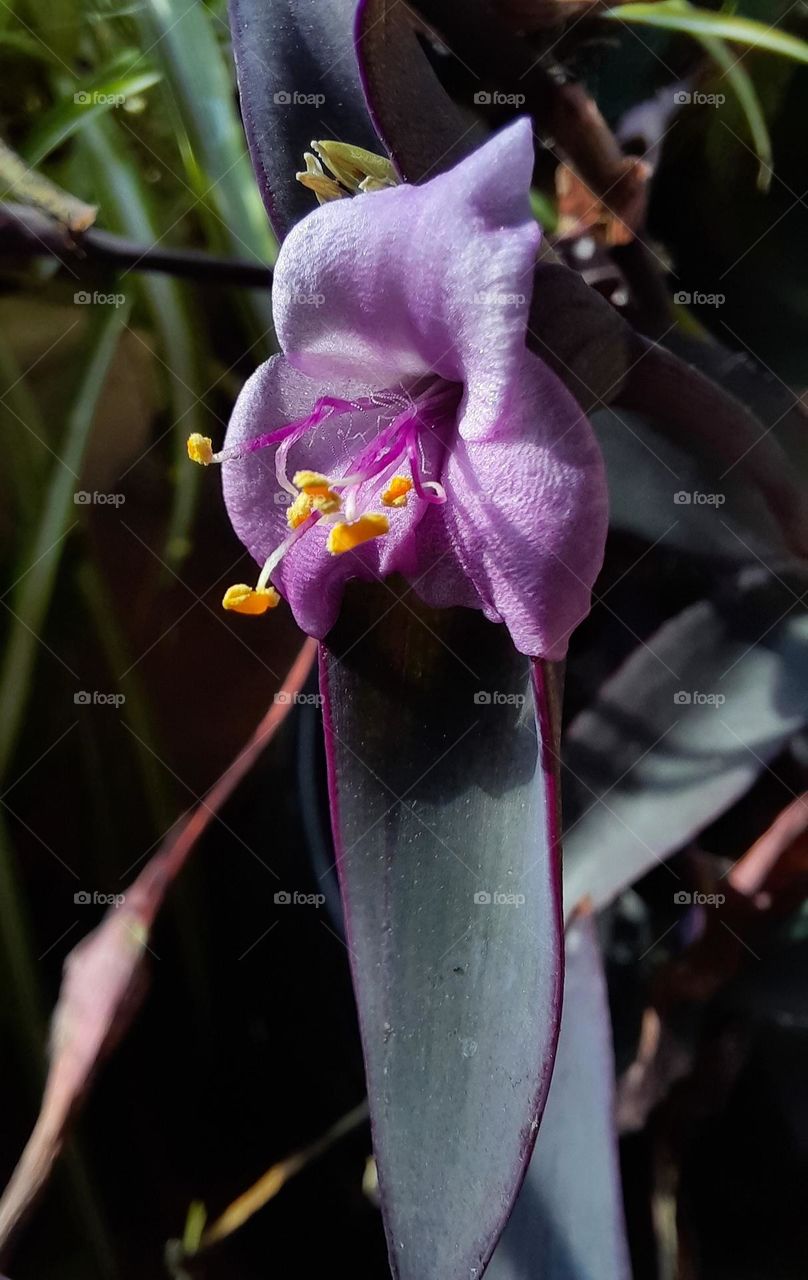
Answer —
683 729
422 129
721 519
573 329
587 344
298 80
503 74
443 797
651 468
679 400
568 1221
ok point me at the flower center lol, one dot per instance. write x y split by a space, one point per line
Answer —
375 475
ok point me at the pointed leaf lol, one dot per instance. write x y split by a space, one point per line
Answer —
445 824
678 399
105 93
743 86
667 494
682 730
181 40
33 588
423 130
650 467
573 329
678 15
568 1222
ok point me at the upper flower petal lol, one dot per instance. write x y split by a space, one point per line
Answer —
417 279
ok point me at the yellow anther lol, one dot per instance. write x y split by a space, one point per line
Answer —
345 537
395 495
250 600
314 495
328 503
313 482
300 510
200 449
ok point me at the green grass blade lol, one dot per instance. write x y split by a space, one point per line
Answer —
19 418
37 574
544 210
678 15
127 210
102 614
77 110
181 39
744 89
19 42
58 22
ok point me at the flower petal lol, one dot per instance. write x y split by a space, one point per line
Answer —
309 577
378 287
434 278
526 515
521 535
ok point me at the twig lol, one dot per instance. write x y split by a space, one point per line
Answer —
25 184
28 232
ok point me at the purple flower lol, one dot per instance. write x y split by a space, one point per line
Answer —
406 428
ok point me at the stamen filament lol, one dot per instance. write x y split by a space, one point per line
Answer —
199 446
315 494
428 490
272 561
